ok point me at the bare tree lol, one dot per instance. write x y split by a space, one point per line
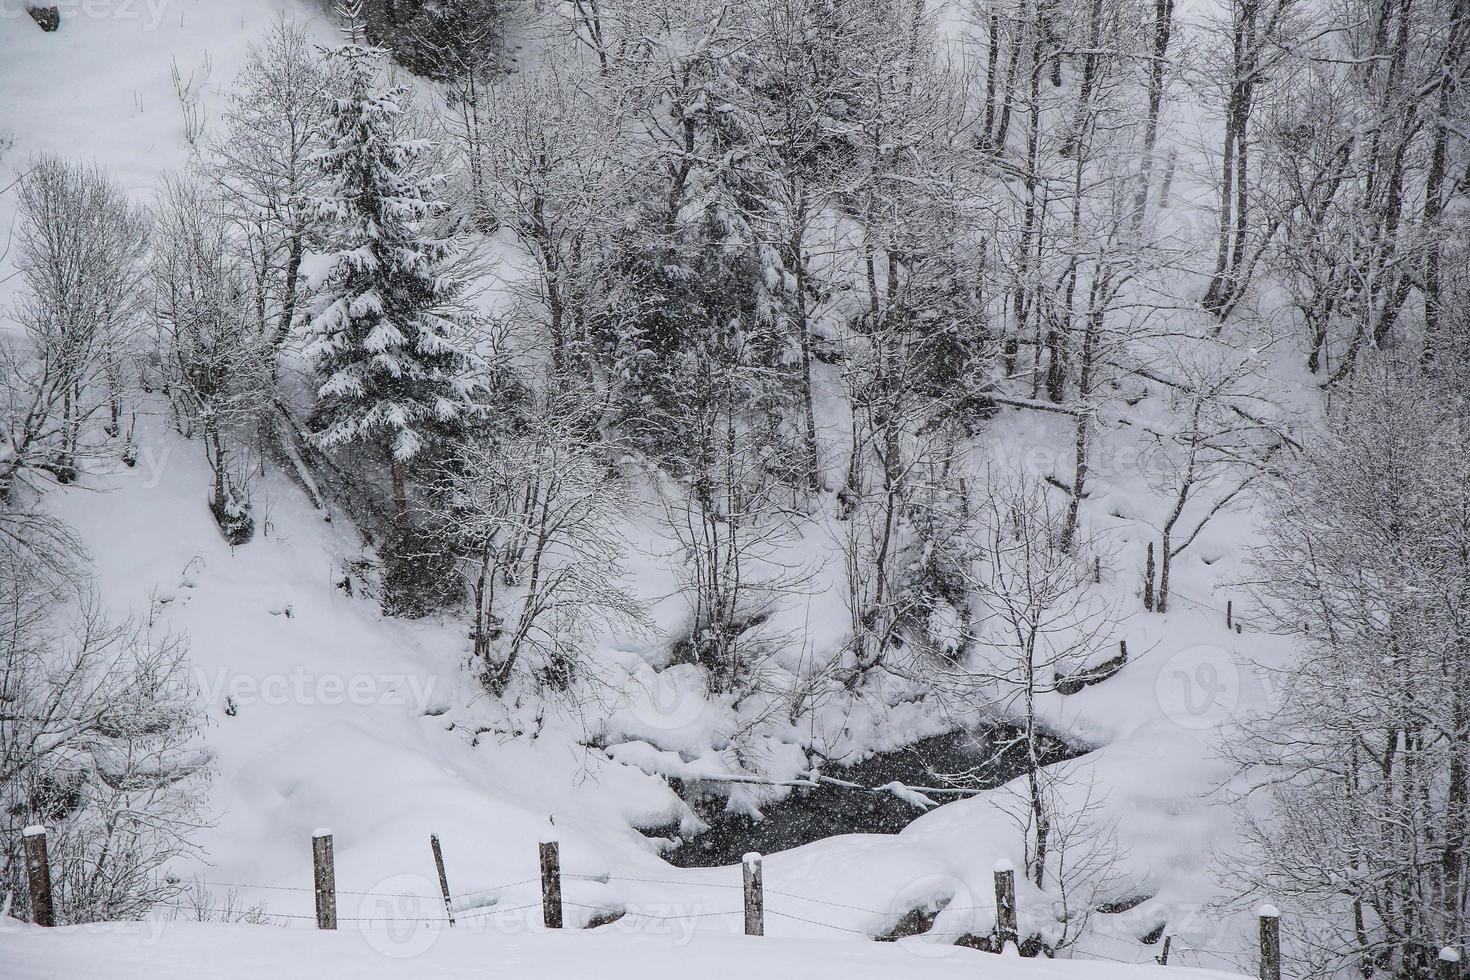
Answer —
1439 188
1038 617
730 517
266 166
535 513
1255 34
79 249
218 365
917 351
98 725
1210 456
552 178
1158 75
1357 774
1364 138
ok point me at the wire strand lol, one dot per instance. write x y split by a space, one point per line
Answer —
825 925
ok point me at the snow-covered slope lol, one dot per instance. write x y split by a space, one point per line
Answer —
102 89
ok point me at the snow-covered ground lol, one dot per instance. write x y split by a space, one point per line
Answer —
143 951
325 713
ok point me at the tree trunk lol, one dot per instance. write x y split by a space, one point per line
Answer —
288 302
1434 181
1163 27
400 491
797 259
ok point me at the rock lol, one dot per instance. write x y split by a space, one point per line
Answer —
49 18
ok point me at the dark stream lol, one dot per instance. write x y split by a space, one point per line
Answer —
986 758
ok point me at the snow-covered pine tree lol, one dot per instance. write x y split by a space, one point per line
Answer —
387 340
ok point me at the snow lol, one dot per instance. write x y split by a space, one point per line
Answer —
101 88
512 951
34 831
1269 912
912 797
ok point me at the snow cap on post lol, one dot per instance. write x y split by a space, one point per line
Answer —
321 832
1449 955
35 830
1269 912
1004 864
751 858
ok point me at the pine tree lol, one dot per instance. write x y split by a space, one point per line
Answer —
387 344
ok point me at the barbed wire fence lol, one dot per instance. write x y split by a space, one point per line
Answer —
755 903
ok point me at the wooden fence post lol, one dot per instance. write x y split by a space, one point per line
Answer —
1449 964
443 878
1270 943
1164 955
38 876
755 894
1229 614
324 878
1005 905
551 884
